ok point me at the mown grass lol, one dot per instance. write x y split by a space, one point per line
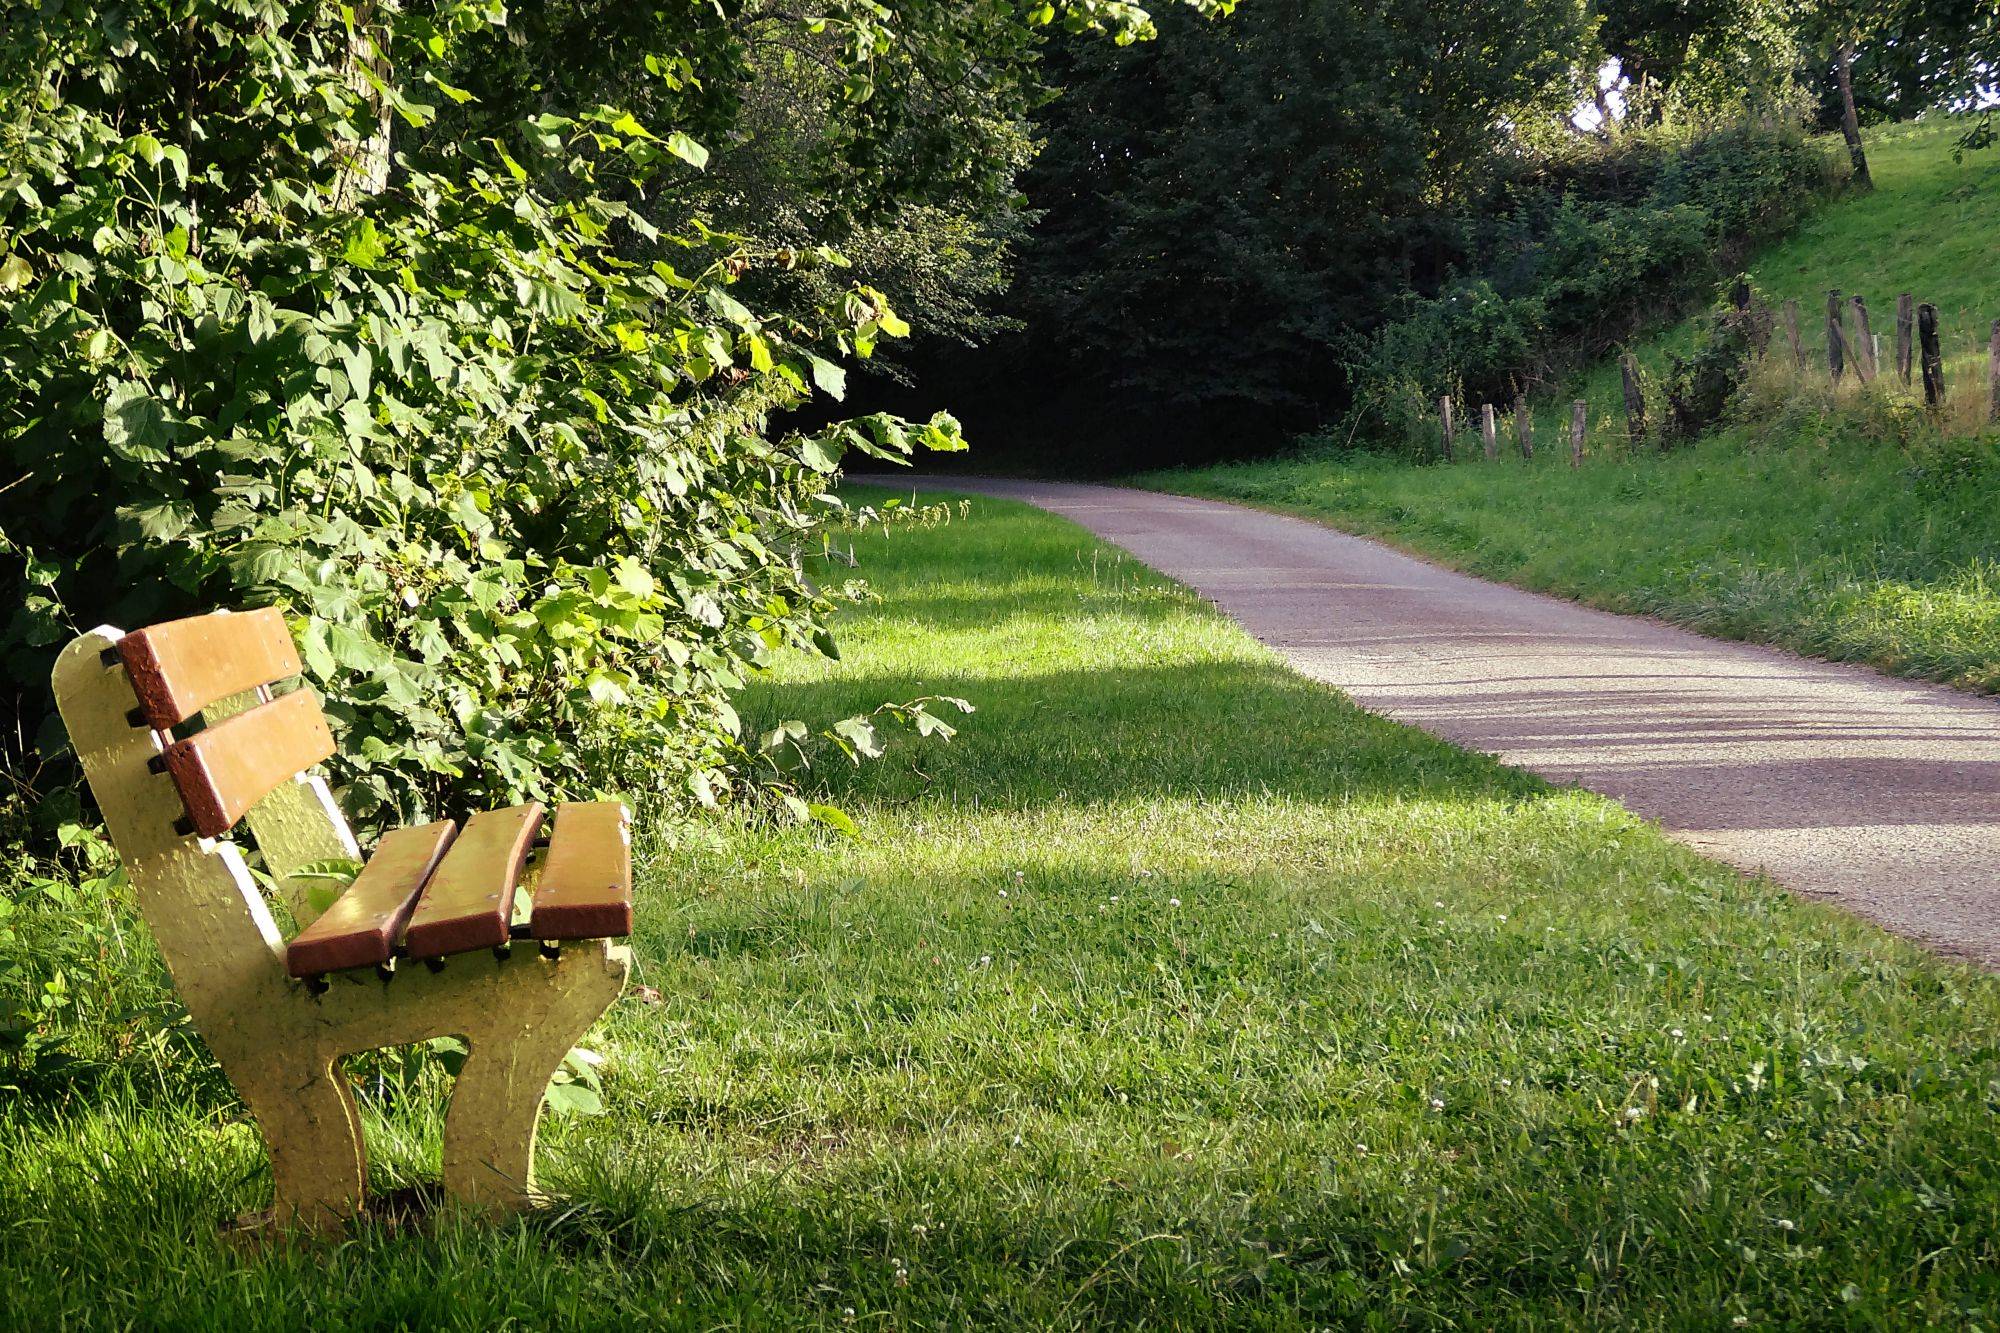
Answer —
1175 990
1841 525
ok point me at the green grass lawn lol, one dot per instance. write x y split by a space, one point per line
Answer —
1831 526
1174 990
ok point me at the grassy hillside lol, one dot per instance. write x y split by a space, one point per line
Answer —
1176 992
1840 524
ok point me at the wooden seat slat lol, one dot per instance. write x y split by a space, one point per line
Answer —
223 771
364 923
469 902
180 667
585 891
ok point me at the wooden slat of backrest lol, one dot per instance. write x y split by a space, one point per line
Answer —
296 824
469 903
364 923
585 892
223 771
183 666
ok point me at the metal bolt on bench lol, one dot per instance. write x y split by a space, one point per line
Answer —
279 1015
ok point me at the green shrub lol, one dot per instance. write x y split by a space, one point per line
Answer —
1579 257
497 445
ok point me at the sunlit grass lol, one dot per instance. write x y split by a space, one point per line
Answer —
1174 990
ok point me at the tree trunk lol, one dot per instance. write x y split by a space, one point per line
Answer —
364 167
1850 124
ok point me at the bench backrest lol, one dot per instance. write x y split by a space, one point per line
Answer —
169 801
179 668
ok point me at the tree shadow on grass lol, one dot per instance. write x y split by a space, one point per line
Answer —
1212 729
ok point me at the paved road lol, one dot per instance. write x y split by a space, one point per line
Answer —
1879 794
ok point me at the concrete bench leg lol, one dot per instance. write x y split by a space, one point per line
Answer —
489 1130
312 1129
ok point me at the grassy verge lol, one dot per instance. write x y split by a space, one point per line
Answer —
1839 525
1922 230
1174 990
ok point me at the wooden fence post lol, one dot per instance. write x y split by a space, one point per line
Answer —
1635 399
1445 424
1761 321
1489 432
1836 351
1993 373
1524 426
1932 355
1864 337
1792 332
1906 328
1579 417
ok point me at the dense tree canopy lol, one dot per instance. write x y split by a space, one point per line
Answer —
1252 227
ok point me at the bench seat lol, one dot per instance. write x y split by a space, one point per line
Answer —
432 890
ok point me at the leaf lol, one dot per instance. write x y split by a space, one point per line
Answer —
833 817
14 273
574 1099
822 453
364 247
687 150
860 732
831 379
137 425
929 724
262 323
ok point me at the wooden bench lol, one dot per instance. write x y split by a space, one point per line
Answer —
517 949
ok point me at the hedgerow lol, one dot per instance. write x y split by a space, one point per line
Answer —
496 443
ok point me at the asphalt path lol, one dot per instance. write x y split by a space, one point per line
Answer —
1879 794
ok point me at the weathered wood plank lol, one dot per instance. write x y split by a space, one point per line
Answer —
1635 398
180 667
223 771
1993 374
1792 333
1906 332
469 902
1932 354
1864 342
585 892
364 923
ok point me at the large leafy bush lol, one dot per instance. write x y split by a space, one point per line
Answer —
496 441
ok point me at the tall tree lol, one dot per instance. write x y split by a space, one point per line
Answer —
1225 208
1850 122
